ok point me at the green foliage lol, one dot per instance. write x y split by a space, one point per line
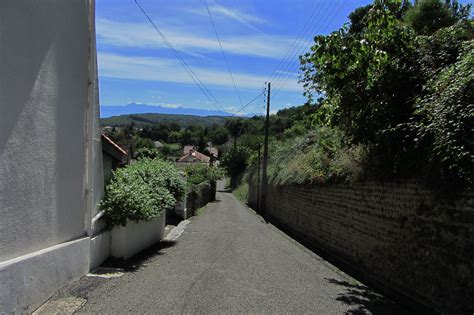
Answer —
443 48
367 78
141 191
428 16
218 135
200 211
242 191
147 153
235 160
199 173
318 157
404 99
151 120
445 119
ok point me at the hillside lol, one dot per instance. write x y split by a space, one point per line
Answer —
145 120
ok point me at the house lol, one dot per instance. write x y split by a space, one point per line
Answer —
113 156
188 148
194 156
213 151
158 144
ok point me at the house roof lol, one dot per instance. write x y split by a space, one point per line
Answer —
158 144
213 151
197 155
112 148
187 149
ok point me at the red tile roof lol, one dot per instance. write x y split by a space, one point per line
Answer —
198 155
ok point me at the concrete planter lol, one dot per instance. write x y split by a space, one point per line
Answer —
128 240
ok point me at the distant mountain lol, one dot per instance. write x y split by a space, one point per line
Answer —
134 108
148 120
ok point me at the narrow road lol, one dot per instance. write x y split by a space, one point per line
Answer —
229 261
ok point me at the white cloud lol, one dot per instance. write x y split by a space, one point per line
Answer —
155 104
170 70
218 10
142 35
171 105
236 14
287 73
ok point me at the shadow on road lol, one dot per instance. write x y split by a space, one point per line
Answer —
365 300
135 262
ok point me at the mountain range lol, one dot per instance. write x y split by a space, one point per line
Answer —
134 108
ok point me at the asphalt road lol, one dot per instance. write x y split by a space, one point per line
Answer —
228 260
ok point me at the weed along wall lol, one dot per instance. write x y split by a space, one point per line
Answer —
199 196
399 235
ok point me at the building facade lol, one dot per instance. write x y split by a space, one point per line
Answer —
50 150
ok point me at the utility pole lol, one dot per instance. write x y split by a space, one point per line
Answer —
258 179
265 155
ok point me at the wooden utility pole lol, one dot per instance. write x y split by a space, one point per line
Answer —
265 155
258 179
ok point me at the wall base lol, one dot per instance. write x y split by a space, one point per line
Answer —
128 240
27 281
100 249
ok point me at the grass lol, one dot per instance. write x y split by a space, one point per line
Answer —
200 211
242 192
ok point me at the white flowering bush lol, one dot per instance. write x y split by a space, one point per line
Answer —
141 192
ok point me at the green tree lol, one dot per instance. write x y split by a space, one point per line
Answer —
235 161
428 16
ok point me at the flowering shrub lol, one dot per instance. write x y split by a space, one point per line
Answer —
142 191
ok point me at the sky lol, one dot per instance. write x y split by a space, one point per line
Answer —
136 66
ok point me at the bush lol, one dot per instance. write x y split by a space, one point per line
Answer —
235 161
147 153
142 191
318 157
445 118
199 173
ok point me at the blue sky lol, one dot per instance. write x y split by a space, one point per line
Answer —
136 66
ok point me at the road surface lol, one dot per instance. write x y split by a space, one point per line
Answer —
228 260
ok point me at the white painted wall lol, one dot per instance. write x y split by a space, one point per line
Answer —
44 62
134 237
50 155
99 249
27 281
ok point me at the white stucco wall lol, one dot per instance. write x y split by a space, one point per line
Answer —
44 96
128 240
50 151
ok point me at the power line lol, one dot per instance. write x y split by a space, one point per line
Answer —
285 78
223 53
253 100
287 69
302 33
295 42
188 69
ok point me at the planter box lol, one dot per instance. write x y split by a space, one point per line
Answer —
128 240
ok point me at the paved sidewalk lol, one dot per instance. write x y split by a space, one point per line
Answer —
229 261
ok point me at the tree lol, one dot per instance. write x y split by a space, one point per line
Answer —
235 127
234 161
428 16
358 19
368 79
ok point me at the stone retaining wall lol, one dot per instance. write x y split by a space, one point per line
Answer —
400 235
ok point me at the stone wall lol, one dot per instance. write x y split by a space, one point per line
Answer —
199 196
400 236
